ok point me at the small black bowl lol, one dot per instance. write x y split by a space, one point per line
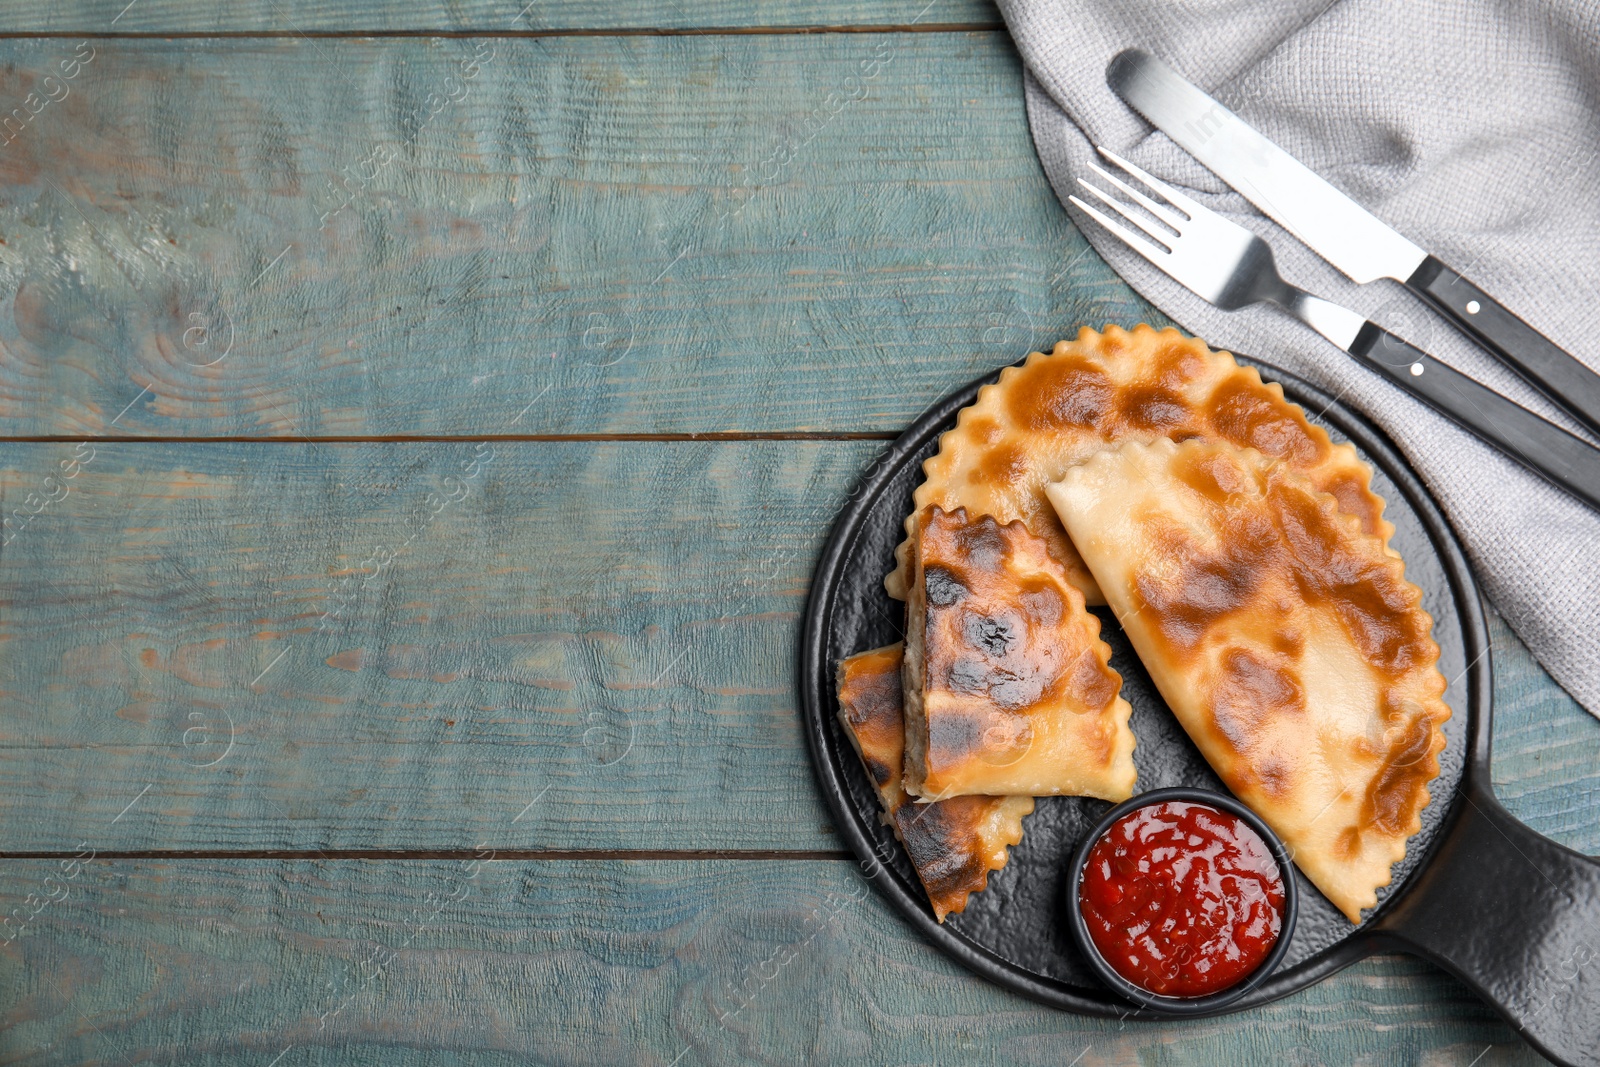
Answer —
1155 1002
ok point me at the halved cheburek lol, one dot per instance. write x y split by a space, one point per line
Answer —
1286 640
1055 410
1007 684
953 844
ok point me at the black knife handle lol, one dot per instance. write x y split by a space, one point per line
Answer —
1547 449
1550 369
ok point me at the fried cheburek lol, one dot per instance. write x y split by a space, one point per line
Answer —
1008 689
953 844
1055 410
1283 635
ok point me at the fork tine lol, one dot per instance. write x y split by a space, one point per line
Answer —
1160 211
1139 244
1183 203
1128 213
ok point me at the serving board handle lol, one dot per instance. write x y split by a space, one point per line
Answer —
1515 916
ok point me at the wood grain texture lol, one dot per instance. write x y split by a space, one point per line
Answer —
609 628
479 16
600 963
649 234
577 646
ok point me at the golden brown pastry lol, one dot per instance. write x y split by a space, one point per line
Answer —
1007 687
953 844
1055 410
1286 640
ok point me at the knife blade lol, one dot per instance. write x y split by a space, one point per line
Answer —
1341 231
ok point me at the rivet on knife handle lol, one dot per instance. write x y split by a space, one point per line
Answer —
1569 462
1525 350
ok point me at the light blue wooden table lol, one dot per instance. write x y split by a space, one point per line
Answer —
419 428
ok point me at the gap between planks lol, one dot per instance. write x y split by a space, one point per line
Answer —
278 439
445 854
627 31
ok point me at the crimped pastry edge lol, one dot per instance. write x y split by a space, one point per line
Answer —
895 582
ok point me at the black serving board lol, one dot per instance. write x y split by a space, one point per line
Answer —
1015 933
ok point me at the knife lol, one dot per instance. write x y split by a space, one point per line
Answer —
1342 231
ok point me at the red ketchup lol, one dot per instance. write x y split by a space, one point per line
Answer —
1182 899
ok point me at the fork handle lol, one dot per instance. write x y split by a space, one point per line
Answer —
1553 371
1542 447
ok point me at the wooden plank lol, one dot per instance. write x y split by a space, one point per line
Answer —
599 963
612 622
479 16
646 234
608 628
1546 748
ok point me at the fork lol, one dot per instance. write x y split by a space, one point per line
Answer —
1227 265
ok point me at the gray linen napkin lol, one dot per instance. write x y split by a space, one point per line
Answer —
1472 127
